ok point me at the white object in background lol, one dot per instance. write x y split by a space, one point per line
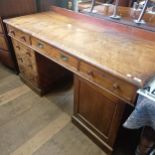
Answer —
75 5
153 152
149 90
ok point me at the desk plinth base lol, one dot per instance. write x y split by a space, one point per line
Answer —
67 79
95 138
32 86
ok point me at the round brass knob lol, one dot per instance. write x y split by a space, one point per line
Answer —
115 86
40 45
23 38
12 32
18 47
91 73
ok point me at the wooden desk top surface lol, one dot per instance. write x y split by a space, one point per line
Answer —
119 53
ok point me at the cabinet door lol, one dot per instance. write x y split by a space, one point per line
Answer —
98 112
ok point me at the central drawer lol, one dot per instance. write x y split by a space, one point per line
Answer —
19 35
55 54
116 86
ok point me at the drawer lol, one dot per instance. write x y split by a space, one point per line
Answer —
23 51
57 55
19 35
19 51
3 44
116 86
26 61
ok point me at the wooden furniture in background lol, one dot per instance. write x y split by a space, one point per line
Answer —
125 3
5 56
110 61
8 9
12 8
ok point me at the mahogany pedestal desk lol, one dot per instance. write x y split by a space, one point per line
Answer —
110 62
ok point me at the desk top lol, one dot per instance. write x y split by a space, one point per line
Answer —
129 57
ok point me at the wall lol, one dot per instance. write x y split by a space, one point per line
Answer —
43 5
11 8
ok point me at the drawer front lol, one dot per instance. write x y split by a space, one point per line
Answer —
56 54
26 62
121 88
19 35
3 44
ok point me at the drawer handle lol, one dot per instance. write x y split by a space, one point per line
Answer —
13 33
64 58
18 47
23 38
40 45
91 73
30 66
115 86
28 53
20 59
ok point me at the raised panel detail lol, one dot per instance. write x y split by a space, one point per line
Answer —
97 112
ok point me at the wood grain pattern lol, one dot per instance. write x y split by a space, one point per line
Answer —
3 44
1 27
98 111
6 59
132 29
100 78
124 3
12 8
16 7
55 54
35 69
27 62
113 64
114 85
19 35
11 95
118 53
29 117
33 144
